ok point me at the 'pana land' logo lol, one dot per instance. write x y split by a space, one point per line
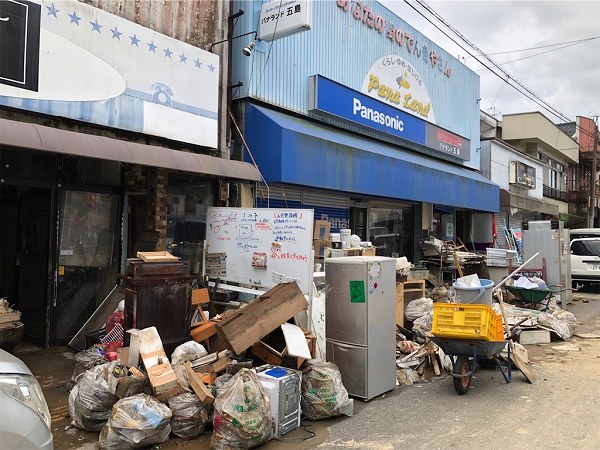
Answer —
395 81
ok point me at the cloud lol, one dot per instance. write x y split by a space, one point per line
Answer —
568 79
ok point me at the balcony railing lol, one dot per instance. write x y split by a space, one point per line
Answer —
579 196
555 194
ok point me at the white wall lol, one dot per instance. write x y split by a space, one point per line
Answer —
500 157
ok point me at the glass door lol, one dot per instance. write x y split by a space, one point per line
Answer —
87 259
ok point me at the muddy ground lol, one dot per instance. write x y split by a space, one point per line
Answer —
560 409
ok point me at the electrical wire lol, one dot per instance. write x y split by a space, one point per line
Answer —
577 41
529 94
538 54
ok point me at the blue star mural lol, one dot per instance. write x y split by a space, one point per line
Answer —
151 47
168 52
182 58
52 11
95 26
74 18
134 40
116 33
197 63
211 68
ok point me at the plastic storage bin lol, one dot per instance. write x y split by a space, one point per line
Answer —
474 321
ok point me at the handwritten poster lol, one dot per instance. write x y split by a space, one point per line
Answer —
260 247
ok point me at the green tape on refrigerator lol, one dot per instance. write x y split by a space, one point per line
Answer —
357 291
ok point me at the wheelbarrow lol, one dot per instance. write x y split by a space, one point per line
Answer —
466 355
534 297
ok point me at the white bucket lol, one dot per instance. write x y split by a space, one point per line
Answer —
475 294
345 234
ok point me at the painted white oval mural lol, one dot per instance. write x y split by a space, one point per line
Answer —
61 79
394 81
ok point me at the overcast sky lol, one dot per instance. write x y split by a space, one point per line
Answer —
568 79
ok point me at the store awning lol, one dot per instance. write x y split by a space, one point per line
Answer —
38 137
291 150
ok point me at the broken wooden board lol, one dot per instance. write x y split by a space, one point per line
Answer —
261 316
515 359
204 331
198 386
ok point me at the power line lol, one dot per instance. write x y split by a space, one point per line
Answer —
577 41
542 53
529 94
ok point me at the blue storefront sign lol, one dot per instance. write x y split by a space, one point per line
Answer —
327 96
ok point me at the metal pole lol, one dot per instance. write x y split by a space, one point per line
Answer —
593 195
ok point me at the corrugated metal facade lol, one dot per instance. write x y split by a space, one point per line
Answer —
342 48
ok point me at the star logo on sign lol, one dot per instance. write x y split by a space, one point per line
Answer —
95 26
211 68
52 11
134 40
74 18
116 33
151 47
168 52
182 58
197 63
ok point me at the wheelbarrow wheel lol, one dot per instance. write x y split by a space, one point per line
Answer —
461 367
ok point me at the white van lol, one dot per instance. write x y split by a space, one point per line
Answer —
585 255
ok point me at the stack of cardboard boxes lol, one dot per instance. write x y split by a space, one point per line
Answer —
324 247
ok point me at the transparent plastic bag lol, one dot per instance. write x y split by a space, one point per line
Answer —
91 399
242 417
85 360
136 422
323 393
188 351
418 308
190 415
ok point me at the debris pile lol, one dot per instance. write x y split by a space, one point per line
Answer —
442 254
229 380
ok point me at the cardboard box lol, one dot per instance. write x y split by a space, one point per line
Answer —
368 251
320 246
131 384
322 230
162 378
152 359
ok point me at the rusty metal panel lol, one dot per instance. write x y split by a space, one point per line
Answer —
197 22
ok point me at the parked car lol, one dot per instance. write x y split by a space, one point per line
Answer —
585 260
24 414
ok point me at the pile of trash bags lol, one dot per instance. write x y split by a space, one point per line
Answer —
240 415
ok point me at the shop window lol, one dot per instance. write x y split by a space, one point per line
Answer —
391 231
188 200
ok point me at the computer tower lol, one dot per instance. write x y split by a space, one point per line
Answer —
282 386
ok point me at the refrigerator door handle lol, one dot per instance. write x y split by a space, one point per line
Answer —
347 347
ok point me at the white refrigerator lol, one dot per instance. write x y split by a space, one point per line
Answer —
360 322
